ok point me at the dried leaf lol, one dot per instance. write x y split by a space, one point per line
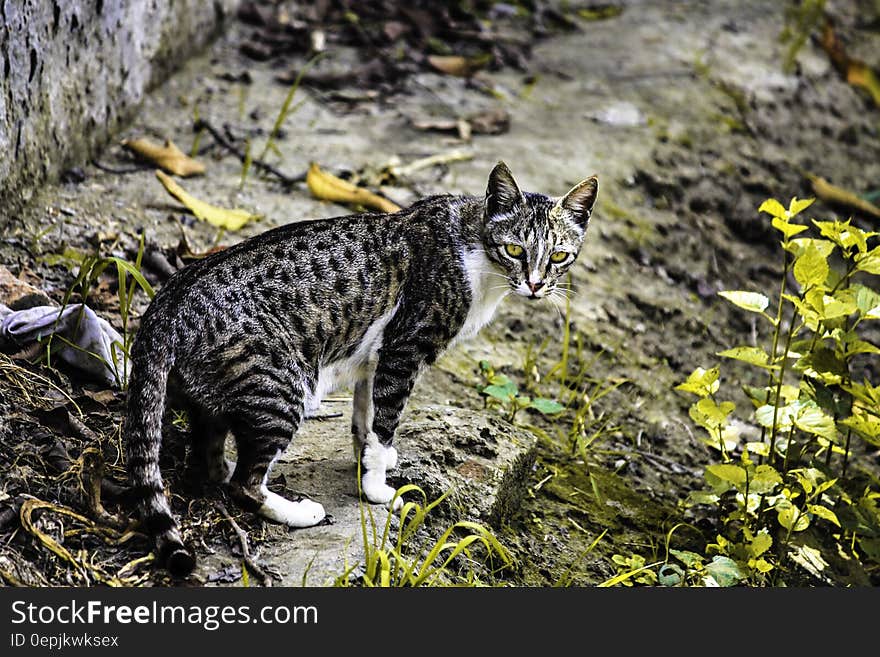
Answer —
169 157
856 72
328 187
220 217
834 194
463 67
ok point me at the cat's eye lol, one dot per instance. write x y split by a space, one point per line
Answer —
558 257
513 250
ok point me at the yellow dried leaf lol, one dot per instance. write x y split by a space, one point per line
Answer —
462 67
220 217
328 187
169 157
834 194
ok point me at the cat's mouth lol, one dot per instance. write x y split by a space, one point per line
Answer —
531 291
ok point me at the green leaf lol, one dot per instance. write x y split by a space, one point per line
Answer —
709 415
701 382
692 560
701 497
764 416
823 364
725 571
760 544
759 448
499 380
797 246
791 518
787 229
812 419
773 207
869 262
811 268
841 304
854 347
752 355
502 393
764 480
865 426
546 406
754 302
729 473
866 299
823 512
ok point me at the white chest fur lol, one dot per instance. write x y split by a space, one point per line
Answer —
487 291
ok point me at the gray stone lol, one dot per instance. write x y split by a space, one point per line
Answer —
74 70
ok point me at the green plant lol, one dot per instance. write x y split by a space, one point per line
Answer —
810 407
399 561
499 390
90 267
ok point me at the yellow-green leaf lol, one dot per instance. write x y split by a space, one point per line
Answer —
220 217
752 355
701 382
733 474
709 415
786 228
823 512
869 262
752 301
773 207
799 205
811 268
760 544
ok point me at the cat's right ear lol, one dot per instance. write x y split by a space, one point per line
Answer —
502 193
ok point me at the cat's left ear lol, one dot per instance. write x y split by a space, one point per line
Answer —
578 203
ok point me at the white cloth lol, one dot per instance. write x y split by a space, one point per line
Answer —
98 345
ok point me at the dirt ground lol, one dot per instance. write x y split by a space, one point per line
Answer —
685 112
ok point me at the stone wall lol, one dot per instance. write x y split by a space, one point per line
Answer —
72 71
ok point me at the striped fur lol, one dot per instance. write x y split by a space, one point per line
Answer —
249 338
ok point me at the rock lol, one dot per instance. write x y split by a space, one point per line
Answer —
18 294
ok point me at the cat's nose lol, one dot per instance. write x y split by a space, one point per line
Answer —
534 287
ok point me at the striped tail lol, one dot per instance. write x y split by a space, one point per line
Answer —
143 440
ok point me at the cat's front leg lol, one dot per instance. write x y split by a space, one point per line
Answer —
375 457
381 402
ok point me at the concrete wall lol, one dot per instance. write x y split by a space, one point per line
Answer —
72 71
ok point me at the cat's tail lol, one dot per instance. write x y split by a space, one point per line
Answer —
151 364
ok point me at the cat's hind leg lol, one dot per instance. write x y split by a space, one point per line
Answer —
208 439
263 424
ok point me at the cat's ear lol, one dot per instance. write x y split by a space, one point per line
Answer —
578 203
502 192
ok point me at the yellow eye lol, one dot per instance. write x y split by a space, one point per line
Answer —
513 250
559 256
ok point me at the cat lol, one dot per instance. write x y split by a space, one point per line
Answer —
248 339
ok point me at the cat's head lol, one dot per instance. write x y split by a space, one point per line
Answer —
532 238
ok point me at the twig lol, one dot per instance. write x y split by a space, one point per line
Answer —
201 124
134 169
245 549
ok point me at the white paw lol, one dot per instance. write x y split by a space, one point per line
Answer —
378 492
389 455
304 513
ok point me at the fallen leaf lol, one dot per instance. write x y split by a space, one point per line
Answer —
19 294
834 194
855 71
328 187
493 121
463 67
169 157
220 217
